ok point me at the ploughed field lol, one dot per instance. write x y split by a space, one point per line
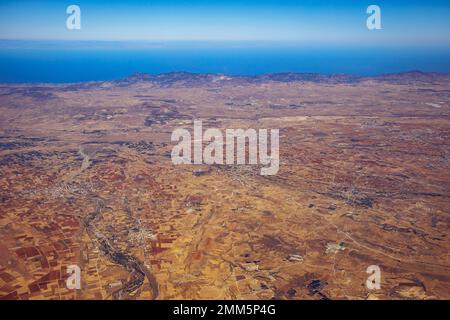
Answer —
86 179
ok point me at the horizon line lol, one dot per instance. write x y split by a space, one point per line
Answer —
293 43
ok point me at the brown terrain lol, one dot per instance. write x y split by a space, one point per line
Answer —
86 178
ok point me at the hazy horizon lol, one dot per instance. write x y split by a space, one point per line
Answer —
403 22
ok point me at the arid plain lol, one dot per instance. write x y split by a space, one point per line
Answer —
86 179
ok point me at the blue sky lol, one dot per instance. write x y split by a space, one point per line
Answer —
313 21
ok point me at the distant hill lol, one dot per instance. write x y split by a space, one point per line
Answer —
411 76
190 79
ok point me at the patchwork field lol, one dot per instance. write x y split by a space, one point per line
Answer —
86 179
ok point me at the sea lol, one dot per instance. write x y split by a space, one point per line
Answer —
72 61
